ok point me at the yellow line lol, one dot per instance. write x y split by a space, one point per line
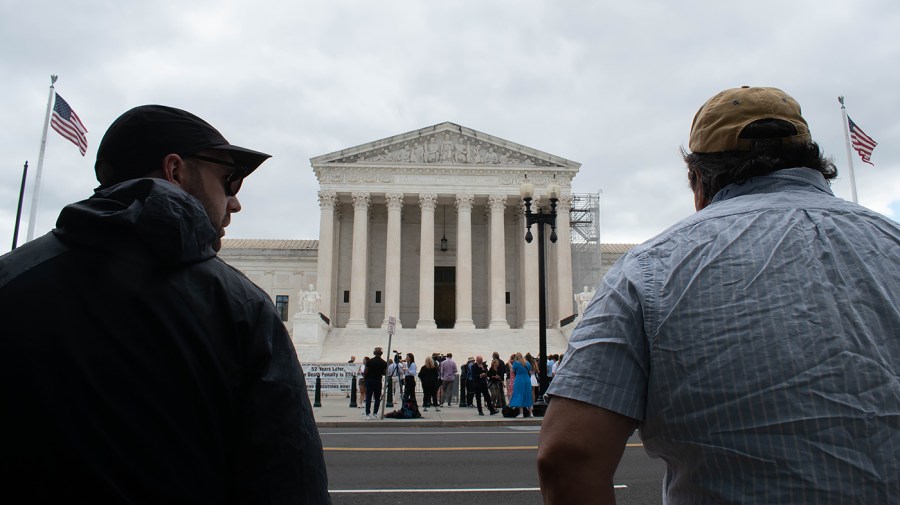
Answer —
397 449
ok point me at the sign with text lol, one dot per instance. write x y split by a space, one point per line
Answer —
336 377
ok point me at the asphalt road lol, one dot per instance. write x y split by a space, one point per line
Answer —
458 466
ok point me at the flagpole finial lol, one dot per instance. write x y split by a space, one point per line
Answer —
841 99
53 79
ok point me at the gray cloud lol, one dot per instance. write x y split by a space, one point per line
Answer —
612 85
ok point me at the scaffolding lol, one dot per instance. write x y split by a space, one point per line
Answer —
584 226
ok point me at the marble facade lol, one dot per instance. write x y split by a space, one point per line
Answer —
385 207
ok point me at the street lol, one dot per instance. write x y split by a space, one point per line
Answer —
400 465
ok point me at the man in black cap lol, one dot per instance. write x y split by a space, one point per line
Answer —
137 367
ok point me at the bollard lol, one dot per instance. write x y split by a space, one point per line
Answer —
317 402
389 402
353 392
462 392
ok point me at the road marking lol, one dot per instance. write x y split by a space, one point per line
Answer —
446 490
399 449
480 448
393 433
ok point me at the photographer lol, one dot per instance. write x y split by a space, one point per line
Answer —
409 379
395 371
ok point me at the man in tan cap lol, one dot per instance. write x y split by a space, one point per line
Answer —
755 343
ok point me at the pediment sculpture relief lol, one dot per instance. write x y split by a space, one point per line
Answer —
447 148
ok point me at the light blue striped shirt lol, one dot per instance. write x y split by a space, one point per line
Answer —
758 344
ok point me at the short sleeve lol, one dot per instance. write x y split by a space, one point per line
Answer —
607 362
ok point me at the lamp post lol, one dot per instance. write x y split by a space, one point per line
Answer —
540 218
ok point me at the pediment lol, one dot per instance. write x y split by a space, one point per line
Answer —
444 144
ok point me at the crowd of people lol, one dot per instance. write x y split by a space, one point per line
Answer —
510 385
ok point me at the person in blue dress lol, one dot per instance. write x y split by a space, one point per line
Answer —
521 394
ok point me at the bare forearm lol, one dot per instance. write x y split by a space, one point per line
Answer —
579 449
574 482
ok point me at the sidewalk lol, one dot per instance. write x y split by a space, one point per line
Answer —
336 412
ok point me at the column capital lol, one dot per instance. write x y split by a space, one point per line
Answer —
427 200
564 203
393 200
518 211
464 202
327 199
360 200
497 203
541 205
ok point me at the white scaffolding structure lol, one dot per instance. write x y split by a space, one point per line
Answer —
584 223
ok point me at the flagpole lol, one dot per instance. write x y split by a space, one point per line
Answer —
849 149
19 209
36 193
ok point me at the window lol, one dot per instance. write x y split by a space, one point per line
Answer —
281 305
346 297
507 297
378 297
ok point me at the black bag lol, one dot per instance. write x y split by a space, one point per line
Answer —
509 411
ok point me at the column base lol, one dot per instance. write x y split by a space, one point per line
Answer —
384 324
498 325
356 324
467 324
426 324
531 324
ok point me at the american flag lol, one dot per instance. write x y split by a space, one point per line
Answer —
66 122
862 143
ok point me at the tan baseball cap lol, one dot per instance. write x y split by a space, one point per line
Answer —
723 117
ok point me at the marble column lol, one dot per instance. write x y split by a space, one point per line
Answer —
394 202
325 261
360 261
427 202
464 263
566 305
532 318
498 320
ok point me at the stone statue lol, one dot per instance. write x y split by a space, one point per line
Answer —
446 152
309 301
582 299
418 153
461 151
432 151
404 153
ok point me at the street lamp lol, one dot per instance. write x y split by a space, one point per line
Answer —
540 218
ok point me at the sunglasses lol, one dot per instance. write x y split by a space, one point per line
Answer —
234 181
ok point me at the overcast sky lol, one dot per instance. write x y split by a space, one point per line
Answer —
612 85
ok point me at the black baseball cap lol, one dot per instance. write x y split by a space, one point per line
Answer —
135 143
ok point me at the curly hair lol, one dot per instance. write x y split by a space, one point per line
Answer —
710 172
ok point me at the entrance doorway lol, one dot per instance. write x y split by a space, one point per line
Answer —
444 296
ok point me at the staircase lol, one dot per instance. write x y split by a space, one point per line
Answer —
341 343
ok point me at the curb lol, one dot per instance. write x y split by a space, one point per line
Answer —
420 423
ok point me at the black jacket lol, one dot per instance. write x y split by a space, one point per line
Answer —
137 367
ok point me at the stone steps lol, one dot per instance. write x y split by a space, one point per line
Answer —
341 343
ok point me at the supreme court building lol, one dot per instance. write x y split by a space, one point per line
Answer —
428 227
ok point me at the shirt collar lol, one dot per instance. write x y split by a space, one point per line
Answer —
803 179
